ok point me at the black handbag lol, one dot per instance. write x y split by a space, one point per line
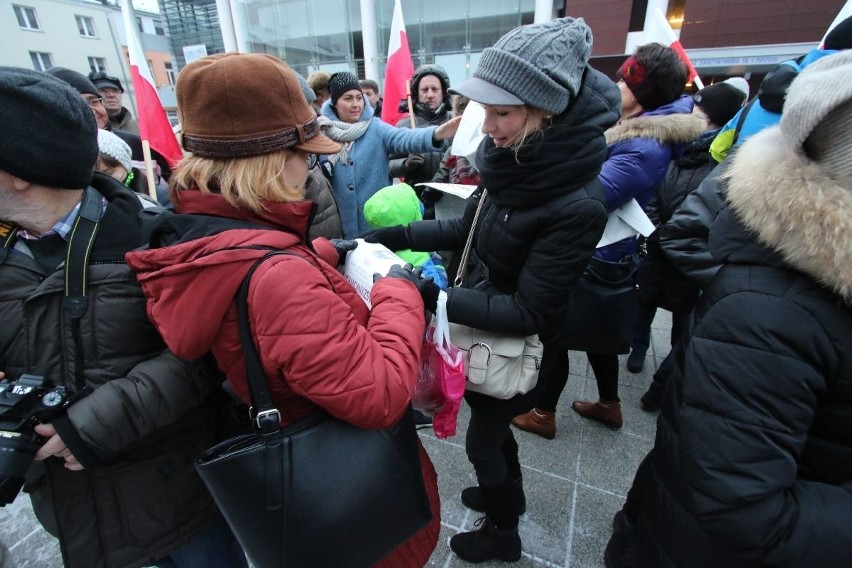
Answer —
321 492
602 308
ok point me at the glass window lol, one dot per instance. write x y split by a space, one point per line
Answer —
139 25
86 26
158 28
41 61
170 72
26 17
97 64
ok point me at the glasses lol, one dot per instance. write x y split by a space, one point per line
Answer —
313 160
95 102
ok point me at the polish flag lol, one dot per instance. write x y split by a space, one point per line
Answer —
658 30
399 68
844 13
154 125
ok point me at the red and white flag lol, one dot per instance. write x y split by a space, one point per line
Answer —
399 68
660 31
154 125
844 13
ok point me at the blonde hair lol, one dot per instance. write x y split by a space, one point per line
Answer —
243 182
537 120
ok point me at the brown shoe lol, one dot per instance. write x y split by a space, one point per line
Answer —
538 422
606 411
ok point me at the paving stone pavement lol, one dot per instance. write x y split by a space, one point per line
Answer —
574 483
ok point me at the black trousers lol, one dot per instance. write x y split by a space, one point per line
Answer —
553 376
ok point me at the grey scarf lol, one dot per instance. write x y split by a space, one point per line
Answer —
344 132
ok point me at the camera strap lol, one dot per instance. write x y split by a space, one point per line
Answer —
81 239
7 238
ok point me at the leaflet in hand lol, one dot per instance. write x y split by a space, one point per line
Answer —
457 189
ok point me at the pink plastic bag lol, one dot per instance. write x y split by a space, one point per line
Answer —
441 381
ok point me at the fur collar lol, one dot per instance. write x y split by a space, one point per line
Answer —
794 208
669 128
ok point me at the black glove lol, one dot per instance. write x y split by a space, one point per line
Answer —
430 196
342 246
427 288
412 163
395 238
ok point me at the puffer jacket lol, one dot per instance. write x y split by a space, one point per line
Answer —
638 153
684 238
326 222
543 215
149 416
660 284
320 346
752 463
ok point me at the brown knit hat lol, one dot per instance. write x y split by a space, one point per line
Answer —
234 105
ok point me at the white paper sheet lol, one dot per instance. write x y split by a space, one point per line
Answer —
363 262
457 189
626 221
469 134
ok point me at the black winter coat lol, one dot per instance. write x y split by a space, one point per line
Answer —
660 284
149 416
539 224
752 463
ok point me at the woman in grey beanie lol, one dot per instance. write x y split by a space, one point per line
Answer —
542 213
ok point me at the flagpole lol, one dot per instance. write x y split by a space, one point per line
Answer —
410 105
154 126
149 169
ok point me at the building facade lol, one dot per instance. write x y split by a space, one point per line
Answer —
84 36
723 37
192 24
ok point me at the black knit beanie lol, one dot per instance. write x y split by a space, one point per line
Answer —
720 102
340 83
79 81
49 135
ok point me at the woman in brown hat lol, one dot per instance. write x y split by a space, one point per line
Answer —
238 195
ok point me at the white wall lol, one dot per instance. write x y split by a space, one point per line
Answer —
58 35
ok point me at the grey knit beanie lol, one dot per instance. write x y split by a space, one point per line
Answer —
817 116
540 65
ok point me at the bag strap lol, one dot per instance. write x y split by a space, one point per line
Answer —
742 119
266 416
467 245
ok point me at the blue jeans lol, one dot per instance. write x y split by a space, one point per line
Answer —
216 547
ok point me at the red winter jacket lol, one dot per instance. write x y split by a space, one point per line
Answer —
319 344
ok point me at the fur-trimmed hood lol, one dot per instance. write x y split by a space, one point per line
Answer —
671 128
794 208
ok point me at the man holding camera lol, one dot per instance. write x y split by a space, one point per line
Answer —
114 479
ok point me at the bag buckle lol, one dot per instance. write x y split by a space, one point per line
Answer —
480 344
262 416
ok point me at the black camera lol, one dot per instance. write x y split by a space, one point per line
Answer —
23 403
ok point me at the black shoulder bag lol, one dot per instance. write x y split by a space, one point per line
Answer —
321 492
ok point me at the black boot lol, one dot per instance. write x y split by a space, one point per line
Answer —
473 499
497 536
